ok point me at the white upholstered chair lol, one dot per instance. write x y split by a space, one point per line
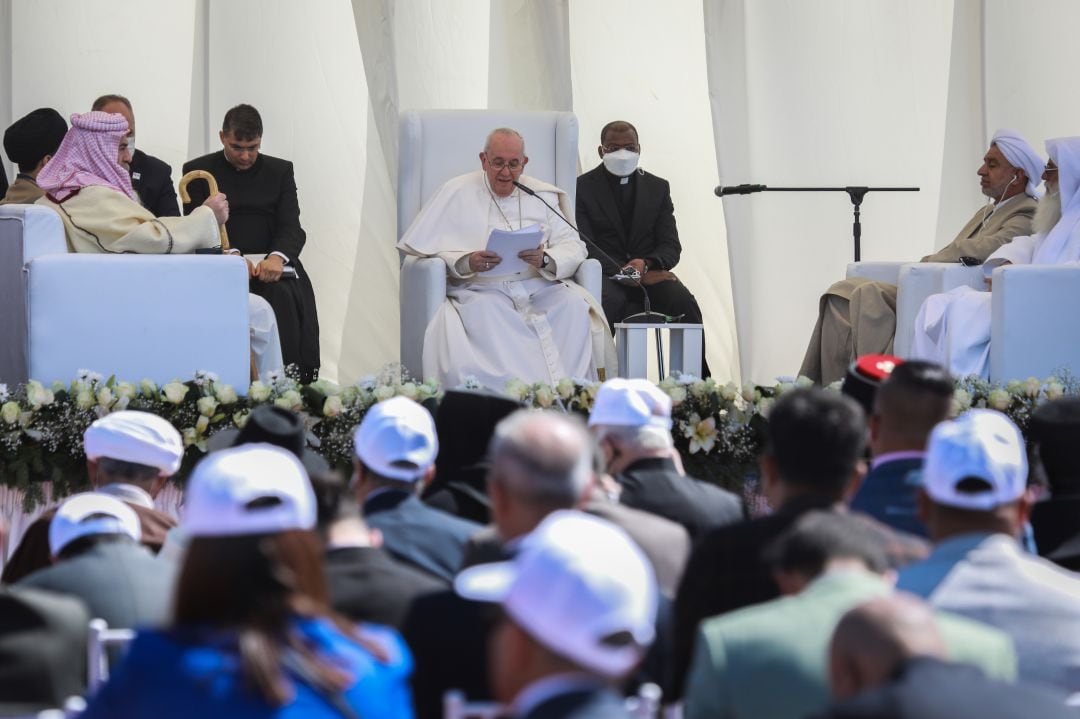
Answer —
915 282
436 145
135 316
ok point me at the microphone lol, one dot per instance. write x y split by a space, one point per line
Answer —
648 315
721 190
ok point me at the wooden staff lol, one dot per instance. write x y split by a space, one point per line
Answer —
185 197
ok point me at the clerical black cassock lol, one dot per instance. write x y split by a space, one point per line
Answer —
264 217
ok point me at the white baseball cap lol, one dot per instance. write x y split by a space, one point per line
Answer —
89 513
631 403
138 437
397 439
980 443
250 489
577 581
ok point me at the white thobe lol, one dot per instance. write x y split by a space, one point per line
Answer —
536 325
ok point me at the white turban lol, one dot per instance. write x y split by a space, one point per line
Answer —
1062 243
138 437
1020 154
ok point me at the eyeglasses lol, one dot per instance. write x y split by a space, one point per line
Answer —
498 163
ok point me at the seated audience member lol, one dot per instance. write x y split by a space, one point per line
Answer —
887 661
464 422
812 460
953 328
1053 429
130 455
857 316
628 213
579 605
94 540
864 378
915 397
974 502
42 650
825 564
499 324
151 178
30 143
252 632
365 583
631 420
395 449
264 220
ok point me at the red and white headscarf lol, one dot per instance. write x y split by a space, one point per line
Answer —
88 156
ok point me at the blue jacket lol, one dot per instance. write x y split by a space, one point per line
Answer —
172 675
888 494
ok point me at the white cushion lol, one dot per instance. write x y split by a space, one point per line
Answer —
1034 332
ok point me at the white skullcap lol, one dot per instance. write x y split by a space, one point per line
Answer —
250 489
631 403
82 515
138 437
577 581
1020 154
397 439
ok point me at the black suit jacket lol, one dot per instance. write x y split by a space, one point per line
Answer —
366 585
652 234
264 212
927 688
418 534
1056 524
42 649
655 485
583 704
152 180
120 582
726 572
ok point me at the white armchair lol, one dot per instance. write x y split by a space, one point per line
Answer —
915 282
138 316
436 145
1035 326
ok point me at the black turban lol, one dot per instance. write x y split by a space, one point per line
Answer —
34 136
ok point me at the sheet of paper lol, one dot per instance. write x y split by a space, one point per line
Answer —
507 245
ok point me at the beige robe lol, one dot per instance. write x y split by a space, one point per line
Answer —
22 192
857 316
536 326
101 219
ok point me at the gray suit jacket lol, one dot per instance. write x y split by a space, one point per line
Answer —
120 582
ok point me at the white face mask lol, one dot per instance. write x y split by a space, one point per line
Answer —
621 162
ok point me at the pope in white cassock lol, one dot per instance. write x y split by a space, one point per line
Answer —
953 328
535 325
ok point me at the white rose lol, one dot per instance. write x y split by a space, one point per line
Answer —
259 391
190 436
961 401
225 393
565 388
148 388
126 389
175 392
803 381
240 419
678 395
1054 390
545 397
1014 386
105 397
326 387
1032 387
10 412
383 392
201 424
517 389
999 399
408 390
697 388
290 400
765 406
38 395
207 406
729 392
332 406
750 392
84 399
121 404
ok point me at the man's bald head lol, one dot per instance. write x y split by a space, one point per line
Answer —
875 638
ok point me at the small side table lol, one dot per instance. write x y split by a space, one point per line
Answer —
632 345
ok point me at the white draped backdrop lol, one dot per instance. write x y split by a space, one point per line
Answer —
782 92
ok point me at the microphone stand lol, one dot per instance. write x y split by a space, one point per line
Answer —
856 193
641 317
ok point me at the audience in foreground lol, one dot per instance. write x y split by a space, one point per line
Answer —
975 501
253 635
1053 429
887 661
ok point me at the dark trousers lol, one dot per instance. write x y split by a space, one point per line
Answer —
293 301
668 297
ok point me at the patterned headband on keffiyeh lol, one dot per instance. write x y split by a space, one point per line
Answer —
88 156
